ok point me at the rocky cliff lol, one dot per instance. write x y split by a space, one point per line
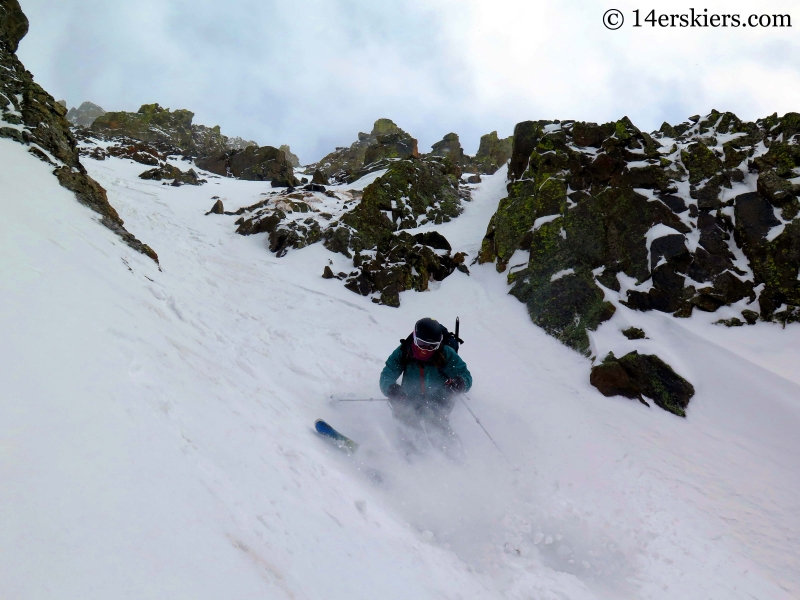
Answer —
31 116
172 132
367 226
693 217
385 141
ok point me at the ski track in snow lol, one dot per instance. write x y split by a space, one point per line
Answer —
156 434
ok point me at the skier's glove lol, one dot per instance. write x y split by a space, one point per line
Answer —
395 392
455 385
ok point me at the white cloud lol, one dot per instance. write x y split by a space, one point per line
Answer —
312 73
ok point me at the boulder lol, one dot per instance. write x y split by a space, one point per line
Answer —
217 209
237 143
634 333
167 171
207 141
319 178
386 259
636 375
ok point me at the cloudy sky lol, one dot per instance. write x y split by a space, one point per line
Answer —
312 73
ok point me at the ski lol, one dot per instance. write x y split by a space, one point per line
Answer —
341 441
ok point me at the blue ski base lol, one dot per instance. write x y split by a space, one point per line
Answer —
341 441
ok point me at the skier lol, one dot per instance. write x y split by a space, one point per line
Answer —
433 374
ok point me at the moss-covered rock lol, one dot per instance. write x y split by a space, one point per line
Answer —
151 123
414 192
634 333
253 164
13 24
164 128
35 119
391 145
403 262
385 141
608 201
449 147
636 375
493 152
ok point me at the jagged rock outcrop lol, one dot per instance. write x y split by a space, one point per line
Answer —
386 260
403 262
385 141
695 216
151 123
13 25
171 132
208 141
85 114
414 192
636 203
254 164
31 116
493 153
290 156
449 147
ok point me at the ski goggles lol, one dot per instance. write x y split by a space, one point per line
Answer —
424 344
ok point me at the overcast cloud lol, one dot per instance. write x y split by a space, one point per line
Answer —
313 73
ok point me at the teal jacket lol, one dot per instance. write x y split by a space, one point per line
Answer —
424 379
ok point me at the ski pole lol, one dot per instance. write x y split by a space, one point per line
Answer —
478 421
359 399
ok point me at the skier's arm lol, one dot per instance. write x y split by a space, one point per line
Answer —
456 367
391 371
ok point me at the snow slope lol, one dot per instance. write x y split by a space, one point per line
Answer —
156 426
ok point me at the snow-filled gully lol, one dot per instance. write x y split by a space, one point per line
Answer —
156 434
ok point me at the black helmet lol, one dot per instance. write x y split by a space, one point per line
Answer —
428 334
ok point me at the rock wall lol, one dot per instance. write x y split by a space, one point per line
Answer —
368 227
385 141
692 217
493 153
31 116
172 132
254 164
